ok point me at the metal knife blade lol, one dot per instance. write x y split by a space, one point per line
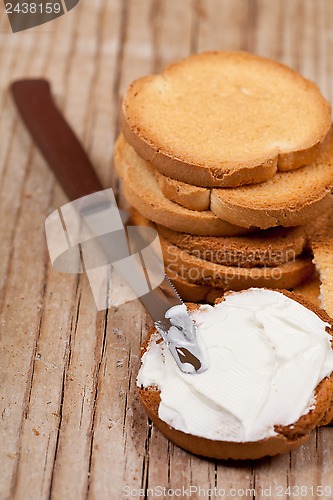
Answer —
180 336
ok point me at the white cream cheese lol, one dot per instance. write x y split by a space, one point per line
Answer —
266 354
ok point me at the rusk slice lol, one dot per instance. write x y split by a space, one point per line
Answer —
150 399
225 119
288 199
271 247
187 195
186 266
310 289
142 191
192 292
287 438
137 219
322 247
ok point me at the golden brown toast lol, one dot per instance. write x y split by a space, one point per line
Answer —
142 191
270 247
288 199
200 271
225 119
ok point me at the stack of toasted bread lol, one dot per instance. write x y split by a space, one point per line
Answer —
231 156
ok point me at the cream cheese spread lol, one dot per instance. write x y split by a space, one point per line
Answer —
266 354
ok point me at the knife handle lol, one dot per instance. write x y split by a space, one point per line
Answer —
54 137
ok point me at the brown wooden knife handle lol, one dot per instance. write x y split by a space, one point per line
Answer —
54 137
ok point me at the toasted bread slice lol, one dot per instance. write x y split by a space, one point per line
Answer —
310 289
142 191
150 399
322 248
236 278
271 247
225 119
287 437
288 199
320 236
187 195
192 292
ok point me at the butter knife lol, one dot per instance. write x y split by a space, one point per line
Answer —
73 169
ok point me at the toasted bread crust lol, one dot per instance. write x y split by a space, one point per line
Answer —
187 195
271 248
193 292
264 248
320 235
150 400
309 290
142 191
288 437
205 89
265 217
195 174
201 271
289 199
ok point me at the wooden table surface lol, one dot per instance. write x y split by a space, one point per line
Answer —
72 425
